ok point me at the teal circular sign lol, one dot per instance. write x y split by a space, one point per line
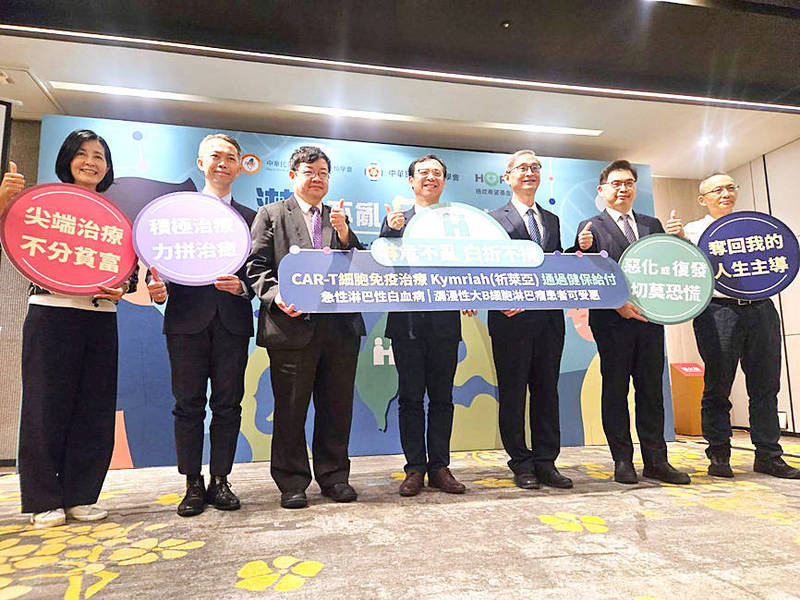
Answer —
670 279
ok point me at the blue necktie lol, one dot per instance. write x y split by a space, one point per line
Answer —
627 229
533 227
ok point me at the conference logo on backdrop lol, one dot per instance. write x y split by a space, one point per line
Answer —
489 178
373 172
251 164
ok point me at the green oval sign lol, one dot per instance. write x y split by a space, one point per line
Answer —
670 279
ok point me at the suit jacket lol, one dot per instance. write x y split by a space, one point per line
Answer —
510 220
608 236
276 228
409 325
191 308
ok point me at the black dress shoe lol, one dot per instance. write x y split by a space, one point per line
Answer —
624 472
194 501
294 499
665 472
340 492
553 478
776 467
526 481
219 494
720 467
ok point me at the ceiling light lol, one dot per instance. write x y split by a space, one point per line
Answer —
723 144
126 91
704 141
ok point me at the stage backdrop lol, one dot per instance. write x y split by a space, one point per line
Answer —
151 160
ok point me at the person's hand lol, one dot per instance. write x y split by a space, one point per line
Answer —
674 225
156 287
585 237
512 311
629 311
109 293
13 183
229 283
469 312
288 309
395 219
339 222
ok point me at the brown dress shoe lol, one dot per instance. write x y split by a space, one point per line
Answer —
443 479
412 484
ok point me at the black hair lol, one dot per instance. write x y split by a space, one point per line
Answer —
307 154
617 165
424 158
70 148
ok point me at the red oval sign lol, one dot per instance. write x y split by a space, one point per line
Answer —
67 239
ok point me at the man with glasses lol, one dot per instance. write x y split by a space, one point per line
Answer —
628 344
527 344
729 331
425 345
309 354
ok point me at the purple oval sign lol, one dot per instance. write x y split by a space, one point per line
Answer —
191 238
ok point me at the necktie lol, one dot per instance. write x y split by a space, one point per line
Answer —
533 227
627 229
316 227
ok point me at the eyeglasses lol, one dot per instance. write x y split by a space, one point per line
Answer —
522 169
423 173
311 173
717 191
629 183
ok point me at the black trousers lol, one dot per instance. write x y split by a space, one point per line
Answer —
531 361
632 349
425 364
69 399
727 333
213 354
325 368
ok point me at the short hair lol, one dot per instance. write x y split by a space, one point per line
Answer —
617 165
307 154
423 159
512 159
221 136
69 149
709 176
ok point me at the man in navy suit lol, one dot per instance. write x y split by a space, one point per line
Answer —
628 344
527 344
309 354
208 332
425 346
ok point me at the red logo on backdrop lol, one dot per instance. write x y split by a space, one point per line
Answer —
67 239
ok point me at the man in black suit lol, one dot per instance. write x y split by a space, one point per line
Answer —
628 344
425 346
208 332
527 344
308 353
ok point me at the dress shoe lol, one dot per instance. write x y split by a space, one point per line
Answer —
443 479
412 484
720 467
86 512
665 472
294 499
194 502
220 495
776 467
551 477
340 492
624 472
526 481
48 518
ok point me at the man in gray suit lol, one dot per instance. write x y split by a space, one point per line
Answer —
308 353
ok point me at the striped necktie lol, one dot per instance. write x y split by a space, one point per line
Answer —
533 227
627 229
316 227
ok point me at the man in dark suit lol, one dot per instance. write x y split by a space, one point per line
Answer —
527 344
629 346
425 346
308 353
208 332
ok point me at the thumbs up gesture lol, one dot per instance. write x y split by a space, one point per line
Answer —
156 287
339 221
394 218
674 225
13 183
585 237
